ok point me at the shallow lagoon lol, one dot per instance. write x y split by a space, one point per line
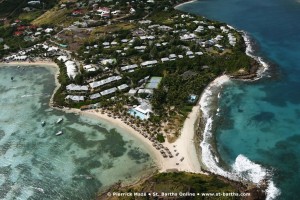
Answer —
36 164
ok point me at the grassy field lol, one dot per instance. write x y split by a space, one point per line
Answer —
30 16
113 28
55 17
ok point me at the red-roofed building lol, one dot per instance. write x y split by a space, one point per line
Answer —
21 28
18 33
77 12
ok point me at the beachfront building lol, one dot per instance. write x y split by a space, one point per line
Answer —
71 69
142 111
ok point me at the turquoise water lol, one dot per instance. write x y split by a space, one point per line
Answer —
36 164
261 119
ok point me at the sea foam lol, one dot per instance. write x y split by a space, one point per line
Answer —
250 52
243 169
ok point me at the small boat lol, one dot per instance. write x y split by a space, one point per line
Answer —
12 78
59 133
59 120
43 123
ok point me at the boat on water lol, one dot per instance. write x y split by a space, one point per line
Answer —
59 120
43 123
59 133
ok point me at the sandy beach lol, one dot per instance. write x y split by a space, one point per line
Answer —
184 145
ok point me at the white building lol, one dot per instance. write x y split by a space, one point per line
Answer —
149 63
73 87
95 96
104 81
71 68
108 91
75 98
129 67
122 87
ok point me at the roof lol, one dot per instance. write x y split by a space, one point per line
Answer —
62 58
123 86
73 87
128 67
132 91
146 91
108 91
165 59
95 96
71 68
75 98
150 62
104 81
143 108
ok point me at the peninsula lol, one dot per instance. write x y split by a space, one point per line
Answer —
140 65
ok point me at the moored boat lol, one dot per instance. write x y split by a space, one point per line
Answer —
59 133
59 120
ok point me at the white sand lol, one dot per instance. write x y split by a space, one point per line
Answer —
184 145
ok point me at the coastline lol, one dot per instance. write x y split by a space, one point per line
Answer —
181 4
182 145
40 63
191 159
256 174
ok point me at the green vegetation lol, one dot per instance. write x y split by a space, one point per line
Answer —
30 16
55 17
179 182
160 138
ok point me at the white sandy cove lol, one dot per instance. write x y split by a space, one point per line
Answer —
184 144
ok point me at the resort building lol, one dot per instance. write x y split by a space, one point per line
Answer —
104 81
129 67
95 96
108 91
149 63
71 68
75 98
122 87
73 87
142 111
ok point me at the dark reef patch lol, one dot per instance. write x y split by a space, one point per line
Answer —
262 118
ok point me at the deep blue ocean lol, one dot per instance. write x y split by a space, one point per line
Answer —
260 120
